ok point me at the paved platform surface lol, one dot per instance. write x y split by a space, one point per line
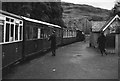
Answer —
74 61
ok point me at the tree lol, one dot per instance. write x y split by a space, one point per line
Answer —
45 11
116 9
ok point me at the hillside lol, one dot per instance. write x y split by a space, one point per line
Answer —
80 11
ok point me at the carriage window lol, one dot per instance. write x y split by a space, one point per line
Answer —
16 32
7 19
12 20
39 31
64 33
35 32
67 33
27 32
12 32
20 22
7 32
73 33
31 33
45 34
20 33
42 33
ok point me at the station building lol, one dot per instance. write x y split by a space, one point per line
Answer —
111 29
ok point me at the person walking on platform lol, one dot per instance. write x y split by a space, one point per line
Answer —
53 43
101 43
83 37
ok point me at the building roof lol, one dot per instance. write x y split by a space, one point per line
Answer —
97 25
109 22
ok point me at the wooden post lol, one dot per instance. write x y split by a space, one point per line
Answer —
117 44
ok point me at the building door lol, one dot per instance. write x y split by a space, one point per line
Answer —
110 43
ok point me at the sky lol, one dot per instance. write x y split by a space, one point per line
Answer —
105 4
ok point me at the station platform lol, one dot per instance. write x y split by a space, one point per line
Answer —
74 61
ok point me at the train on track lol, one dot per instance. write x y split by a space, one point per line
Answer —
21 37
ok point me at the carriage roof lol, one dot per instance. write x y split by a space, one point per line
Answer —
9 14
27 19
41 22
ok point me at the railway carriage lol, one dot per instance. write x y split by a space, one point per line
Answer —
21 37
11 36
36 34
69 36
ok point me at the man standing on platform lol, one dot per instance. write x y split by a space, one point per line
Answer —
53 43
101 43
